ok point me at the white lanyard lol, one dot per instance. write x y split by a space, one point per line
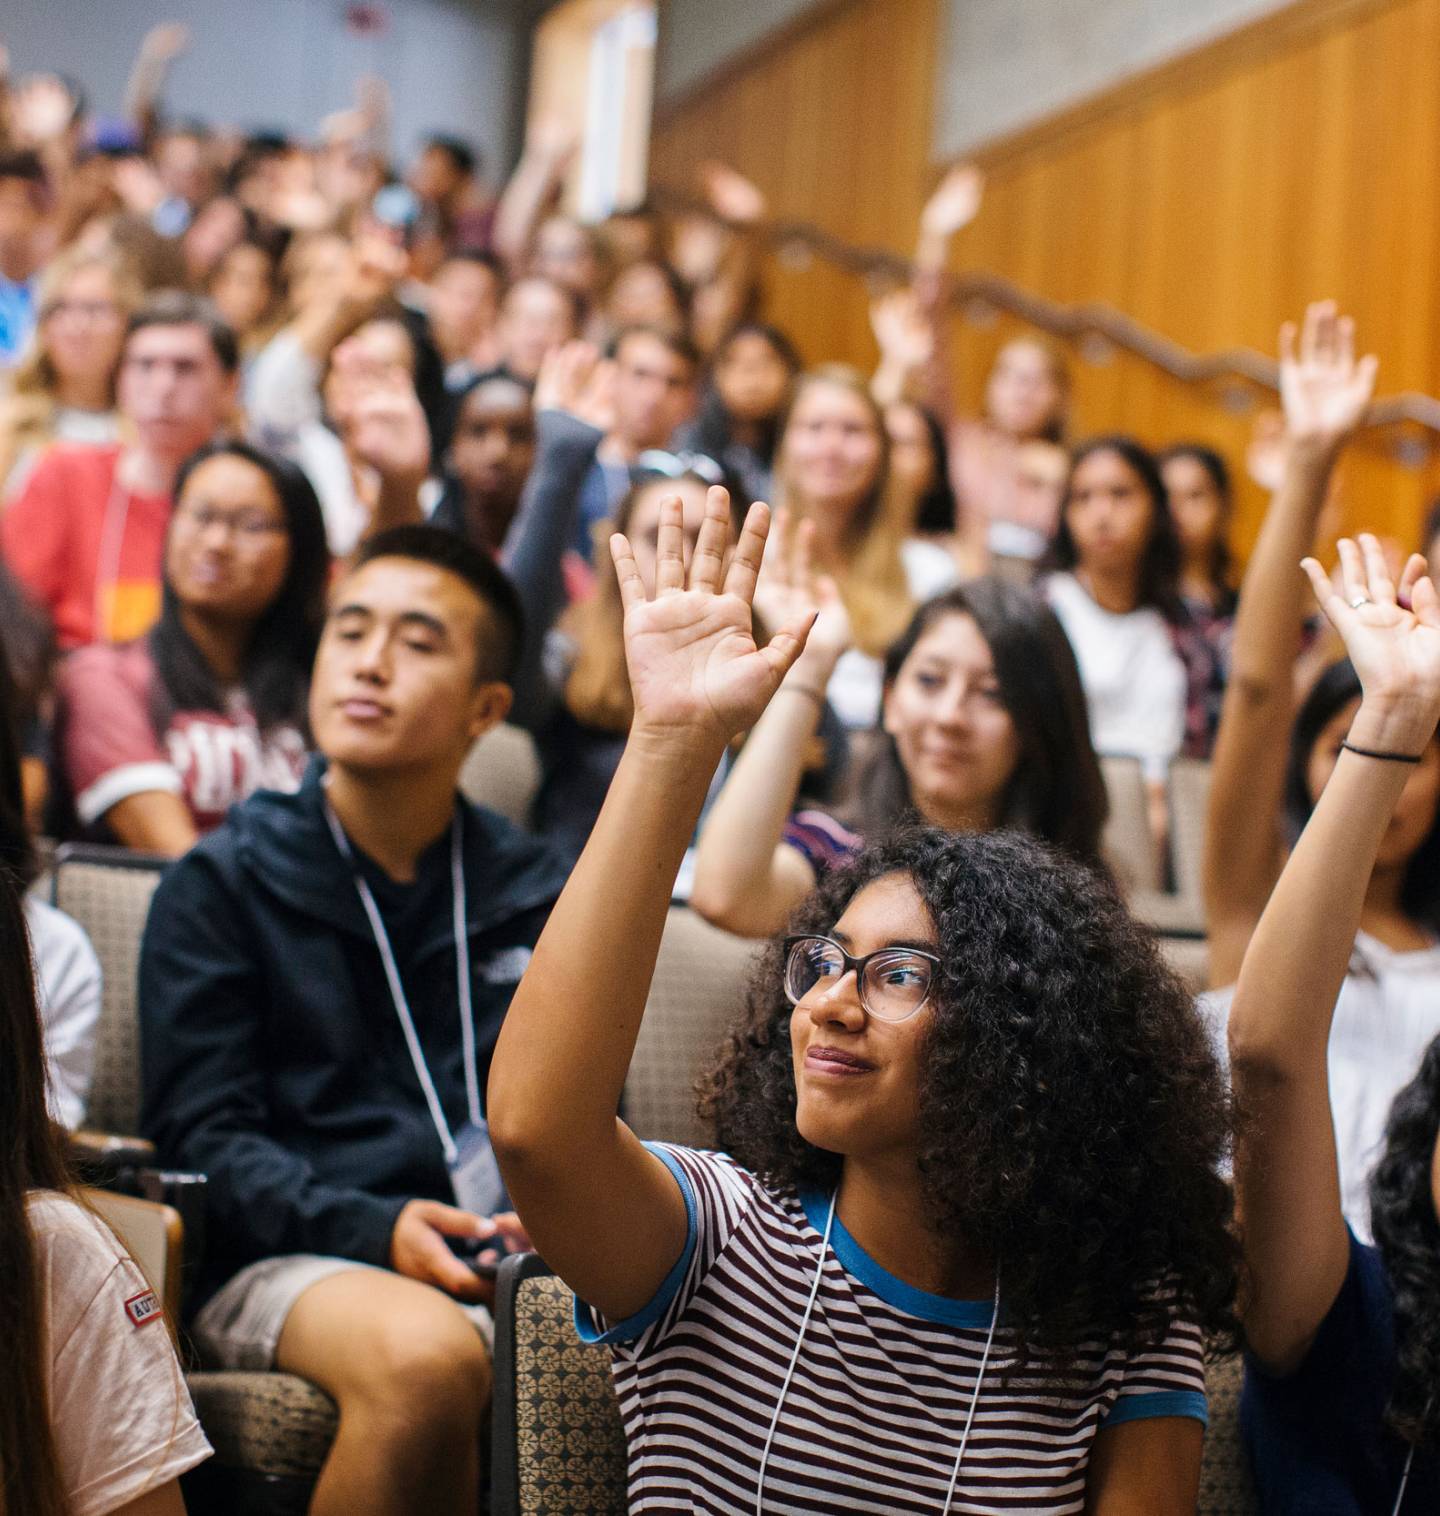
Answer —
397 990
795 1358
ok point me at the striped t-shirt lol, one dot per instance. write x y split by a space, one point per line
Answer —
875 1412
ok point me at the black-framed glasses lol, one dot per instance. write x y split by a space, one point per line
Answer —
676 465
250 526
893 982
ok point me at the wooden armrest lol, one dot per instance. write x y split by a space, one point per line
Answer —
106 1155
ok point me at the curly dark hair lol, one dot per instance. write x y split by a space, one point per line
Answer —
1074 1118
1407 1233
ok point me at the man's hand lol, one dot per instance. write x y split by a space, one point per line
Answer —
418 1248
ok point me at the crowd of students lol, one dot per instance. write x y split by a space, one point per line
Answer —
316 468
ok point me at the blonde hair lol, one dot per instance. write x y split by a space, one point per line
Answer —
871 575
35 374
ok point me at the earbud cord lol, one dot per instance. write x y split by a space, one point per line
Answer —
795 1358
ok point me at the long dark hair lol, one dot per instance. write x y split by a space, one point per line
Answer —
1330 694
1072 1117
1057 792
713 434
936 510
283 639
31 1158
1160 561
1222 563
1407 1233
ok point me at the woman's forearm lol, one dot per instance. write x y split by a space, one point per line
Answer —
1242 842
735 880
565 1048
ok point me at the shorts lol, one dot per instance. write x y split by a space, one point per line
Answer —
239 1326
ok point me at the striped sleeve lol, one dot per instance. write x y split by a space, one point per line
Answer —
718 1193
1165 1380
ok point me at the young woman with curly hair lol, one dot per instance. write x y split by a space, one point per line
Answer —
1342 1401
970 1230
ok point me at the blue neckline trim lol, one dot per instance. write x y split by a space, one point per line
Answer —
904 1297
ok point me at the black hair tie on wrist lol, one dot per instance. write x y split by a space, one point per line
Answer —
1370 752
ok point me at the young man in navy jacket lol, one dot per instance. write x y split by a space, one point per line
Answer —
321 983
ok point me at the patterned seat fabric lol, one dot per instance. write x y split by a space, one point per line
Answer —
274 1424
570 1447
1225 1485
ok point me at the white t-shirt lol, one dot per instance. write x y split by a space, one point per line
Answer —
855 686
121 1415
67 977
1388 1013
1134 680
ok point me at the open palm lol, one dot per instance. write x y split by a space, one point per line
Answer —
1391 633
1324 388
695 669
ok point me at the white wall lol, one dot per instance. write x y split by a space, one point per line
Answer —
698 36
452 65
1006 63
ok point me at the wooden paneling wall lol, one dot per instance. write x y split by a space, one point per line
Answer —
1210 200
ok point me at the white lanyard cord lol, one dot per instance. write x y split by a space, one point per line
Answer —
1404 1480
397 989
795 1358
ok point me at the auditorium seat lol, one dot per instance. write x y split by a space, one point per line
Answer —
270 1432
697 992
1128 843
1225 1485
502 772
556 1441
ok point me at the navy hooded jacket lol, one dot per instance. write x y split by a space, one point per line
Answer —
273 1060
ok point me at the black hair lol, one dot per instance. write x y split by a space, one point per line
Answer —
1407 1233
25 165
1160 561
713 423
1073 1119
502 632
462 155
18 863
283 639
936 510
481 255
1057 792
181 308
676 343
1330 694
1221 561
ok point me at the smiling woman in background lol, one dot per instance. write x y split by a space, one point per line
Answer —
160 737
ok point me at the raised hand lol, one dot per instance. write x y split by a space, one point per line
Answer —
906 337
696 674
790 587
732 196
1325 390
565 372
387 428
167 41
1392 634
955 202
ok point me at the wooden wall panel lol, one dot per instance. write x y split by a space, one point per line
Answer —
1210 201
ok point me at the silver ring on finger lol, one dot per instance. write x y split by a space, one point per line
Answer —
1360 600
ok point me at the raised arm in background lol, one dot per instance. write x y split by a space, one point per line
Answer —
1286 1174
1325 391
550 148
747 879
954 204
163 44
604 1212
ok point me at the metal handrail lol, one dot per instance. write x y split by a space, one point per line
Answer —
1088 324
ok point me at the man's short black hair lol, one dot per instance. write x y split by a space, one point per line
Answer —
181 308
457 150
503 631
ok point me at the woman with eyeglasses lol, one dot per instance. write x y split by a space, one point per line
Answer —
63 389
158 738
966 1233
